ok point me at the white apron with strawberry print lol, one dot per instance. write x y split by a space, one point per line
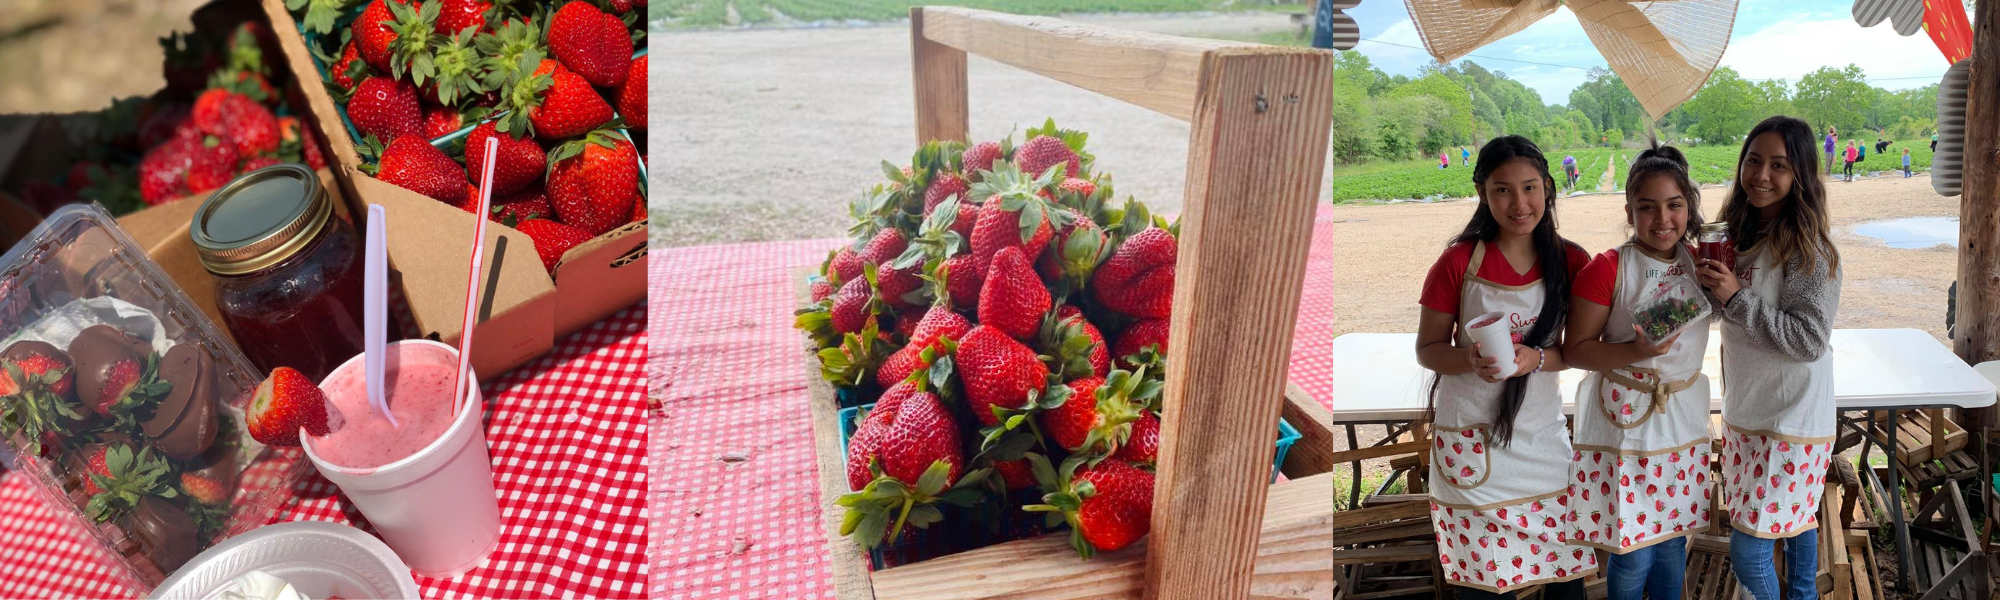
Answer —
1780 418
1642 445
1501 514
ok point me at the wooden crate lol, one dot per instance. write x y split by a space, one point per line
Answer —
1259 117
1921 435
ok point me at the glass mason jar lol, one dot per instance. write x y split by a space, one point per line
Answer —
1716 245
288 273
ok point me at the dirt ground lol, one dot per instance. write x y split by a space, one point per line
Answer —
72 55
768 134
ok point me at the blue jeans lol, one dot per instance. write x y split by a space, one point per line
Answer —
1654 571
1750 560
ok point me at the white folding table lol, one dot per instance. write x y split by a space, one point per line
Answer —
1376 380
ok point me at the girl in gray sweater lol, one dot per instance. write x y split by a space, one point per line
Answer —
1777 304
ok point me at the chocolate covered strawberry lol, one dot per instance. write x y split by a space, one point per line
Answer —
593 182
118 477
284 403
997 372
37 384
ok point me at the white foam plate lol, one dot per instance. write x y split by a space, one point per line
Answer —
319 559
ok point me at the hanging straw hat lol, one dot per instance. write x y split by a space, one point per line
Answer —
1664 51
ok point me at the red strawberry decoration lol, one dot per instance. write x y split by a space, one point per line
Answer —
283 404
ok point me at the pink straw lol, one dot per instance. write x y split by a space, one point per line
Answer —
464 387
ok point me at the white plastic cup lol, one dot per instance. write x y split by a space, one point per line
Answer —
435 508
1496 339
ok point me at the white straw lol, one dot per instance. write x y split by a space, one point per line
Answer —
465 386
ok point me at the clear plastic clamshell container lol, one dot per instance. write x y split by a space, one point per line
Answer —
123 405
1669 310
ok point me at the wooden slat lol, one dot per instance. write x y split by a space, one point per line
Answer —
1386 554
1311 455
1293 560
1158 72
1383 514
938 72
1256 149
1412 529
1373 452
1388 499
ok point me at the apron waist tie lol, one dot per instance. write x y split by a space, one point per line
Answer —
1660 389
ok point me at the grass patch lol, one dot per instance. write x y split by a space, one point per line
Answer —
1343 481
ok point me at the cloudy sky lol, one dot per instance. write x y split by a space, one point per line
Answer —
1772 39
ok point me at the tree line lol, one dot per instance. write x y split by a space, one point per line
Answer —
1377 116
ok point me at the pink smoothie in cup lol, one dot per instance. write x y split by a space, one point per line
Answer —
419 389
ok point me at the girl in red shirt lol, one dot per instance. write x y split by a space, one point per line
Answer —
1500 457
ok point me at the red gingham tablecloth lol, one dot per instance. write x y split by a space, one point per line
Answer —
735 486
568 464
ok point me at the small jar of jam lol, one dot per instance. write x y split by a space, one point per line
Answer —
288 273
1716 245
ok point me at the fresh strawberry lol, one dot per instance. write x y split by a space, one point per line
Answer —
624 6
412 31
846 265
372 32
284 403
415 164
980 157
204 490
250 127
821 290
591 43
1017 473
459 15
521 206
944 186
939 326
455 76
997 371
257 162
1138 279
905 455
350 66
593 182
163 170
1078 250
1043 152
385 108
519 163
118 478
211 166
867 435
1144 446
1080 187
559 103
1139 336
850 305
884 247
1078 347
632 95
1013 298
1001 223
552 239
964 280
1110 513
441 121
1098 415
892 284
309 149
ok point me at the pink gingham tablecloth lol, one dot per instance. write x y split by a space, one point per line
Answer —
735 486
568 447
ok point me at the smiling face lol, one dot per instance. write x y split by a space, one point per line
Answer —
1766 173
1516 194
1658 213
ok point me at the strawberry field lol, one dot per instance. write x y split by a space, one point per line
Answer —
1706 164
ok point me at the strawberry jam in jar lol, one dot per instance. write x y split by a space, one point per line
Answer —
287 271
1716 245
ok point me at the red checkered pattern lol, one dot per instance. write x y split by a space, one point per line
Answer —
568 464
735 490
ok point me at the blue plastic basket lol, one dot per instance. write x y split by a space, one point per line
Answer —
959 532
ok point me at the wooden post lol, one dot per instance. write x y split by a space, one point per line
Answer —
1260 120
1979 210
938 74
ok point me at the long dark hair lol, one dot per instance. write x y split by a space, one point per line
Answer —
1552 252
1802 228
1666 161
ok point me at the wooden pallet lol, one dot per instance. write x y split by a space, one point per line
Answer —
1947 563
1386 549
1915 432
1258 118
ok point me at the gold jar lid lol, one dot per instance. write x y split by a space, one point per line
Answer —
1716 227
260 219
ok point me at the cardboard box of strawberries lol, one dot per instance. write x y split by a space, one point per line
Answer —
1001 323
411 93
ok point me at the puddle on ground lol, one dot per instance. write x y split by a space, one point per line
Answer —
1913 232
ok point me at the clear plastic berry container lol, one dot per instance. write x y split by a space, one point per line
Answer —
122 404
1669 310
